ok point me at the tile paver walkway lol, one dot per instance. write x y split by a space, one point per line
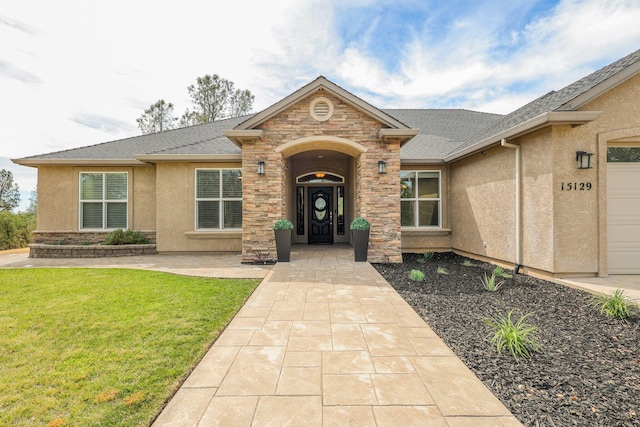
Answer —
324 341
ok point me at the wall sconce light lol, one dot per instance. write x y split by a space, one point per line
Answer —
382 167
261 167
584 159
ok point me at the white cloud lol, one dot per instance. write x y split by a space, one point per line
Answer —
69 60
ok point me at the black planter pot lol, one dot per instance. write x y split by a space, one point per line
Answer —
360 244
283 245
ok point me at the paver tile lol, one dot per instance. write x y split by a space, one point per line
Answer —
299 381
246 323
387 340
311 328
212 368
348 390
255 371
346 362
347 336
417 416
185 408
229 411
400 389
483 422
235 337
280 411
352 416
455 389
430 347
316 311
303 358
321 343
392 365
347 313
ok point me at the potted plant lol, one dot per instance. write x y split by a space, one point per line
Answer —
360 232
282 230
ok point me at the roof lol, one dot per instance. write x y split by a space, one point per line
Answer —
444 134
569 98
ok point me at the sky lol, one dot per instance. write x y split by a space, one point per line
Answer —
77 73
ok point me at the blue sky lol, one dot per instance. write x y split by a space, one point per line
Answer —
75 73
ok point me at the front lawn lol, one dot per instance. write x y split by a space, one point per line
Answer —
103 346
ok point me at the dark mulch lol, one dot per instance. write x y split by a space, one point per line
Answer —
590 375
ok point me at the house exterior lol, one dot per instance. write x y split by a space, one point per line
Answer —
552 188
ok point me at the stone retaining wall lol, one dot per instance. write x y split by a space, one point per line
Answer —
40 250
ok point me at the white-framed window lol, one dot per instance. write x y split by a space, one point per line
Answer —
420 200
103 200
218 199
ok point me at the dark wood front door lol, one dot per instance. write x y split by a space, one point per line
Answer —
320 215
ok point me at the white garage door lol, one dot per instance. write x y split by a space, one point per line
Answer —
623 209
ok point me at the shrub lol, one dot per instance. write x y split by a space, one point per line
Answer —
519 338
360 224
15 229
416 275
283 224
490 283
499 272
442 270
129 237
616 304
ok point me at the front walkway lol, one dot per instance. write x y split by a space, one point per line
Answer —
325 341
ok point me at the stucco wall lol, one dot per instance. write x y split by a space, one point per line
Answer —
58 197
175 201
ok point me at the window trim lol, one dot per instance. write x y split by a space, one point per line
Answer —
103 201
220 199
416 201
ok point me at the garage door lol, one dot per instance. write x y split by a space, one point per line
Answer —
623 209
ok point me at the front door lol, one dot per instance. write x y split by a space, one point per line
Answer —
320 215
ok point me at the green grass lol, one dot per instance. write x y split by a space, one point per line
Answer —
103 346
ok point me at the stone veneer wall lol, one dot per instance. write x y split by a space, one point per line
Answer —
78 237
39 250
264 196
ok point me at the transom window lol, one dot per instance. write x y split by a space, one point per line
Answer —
623 154
103 200
319 177
218 199
420 198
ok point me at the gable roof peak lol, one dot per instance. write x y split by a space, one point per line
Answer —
322 83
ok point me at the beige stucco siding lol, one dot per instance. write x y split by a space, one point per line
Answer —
58 194
175 207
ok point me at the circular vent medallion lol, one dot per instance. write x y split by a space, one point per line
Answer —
321 109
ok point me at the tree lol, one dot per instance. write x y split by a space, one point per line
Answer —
9 192
215 98
33 202
157 117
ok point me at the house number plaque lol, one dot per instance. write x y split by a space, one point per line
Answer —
575 186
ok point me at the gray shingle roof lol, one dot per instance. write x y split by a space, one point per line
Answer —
553 100
442 132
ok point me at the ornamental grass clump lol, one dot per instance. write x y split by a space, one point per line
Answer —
416 275
425 257
614 305
491 283
519 337
468 263
442 270
129 237
499 272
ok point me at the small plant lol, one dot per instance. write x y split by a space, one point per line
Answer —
616 304
360 224
490 283
468 263
283 224
519 338
426 256
416 275
129 237
499 272
442 270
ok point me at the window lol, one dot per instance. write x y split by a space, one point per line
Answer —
623 154
103 200
420 198
218 199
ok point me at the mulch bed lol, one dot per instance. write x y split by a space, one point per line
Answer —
590 372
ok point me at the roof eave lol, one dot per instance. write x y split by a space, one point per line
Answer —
574 118
76 162
602 87
421 161
160 158
240 136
